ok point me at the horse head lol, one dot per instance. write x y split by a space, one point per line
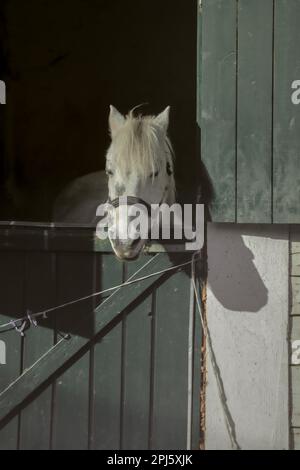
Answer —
139 166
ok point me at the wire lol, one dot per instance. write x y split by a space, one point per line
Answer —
44 313
221 392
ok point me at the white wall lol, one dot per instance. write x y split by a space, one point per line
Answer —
247 309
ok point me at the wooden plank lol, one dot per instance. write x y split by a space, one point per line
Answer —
295 390
254 111
107 366
11 302
26 236
296 438
286 114
295 295
137 370
199 61
170 400
40 285
43 237
66 349
70 430
218 98
75 278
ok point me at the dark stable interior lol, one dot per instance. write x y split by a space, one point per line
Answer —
64 62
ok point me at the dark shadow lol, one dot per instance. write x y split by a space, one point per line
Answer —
234 279
88 55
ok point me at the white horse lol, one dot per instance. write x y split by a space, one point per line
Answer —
139 165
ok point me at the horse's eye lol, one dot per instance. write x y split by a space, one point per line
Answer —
109 172
154 174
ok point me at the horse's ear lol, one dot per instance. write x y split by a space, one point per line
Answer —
162 119
116 120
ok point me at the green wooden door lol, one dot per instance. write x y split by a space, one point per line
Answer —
127 377
248 63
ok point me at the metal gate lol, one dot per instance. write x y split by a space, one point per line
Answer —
117 372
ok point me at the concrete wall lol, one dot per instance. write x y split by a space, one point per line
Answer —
248 308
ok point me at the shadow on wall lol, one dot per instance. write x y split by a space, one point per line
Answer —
233 276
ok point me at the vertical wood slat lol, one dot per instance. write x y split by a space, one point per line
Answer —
286 114
218 103
170 400
254 111
71 410
199 64
137 371
267 145
107 368
11 294
39 293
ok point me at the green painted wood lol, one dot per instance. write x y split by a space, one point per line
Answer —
107 398
107 366
286 114
30 236
137 370
71 410
65 350
12 292
295 402
40 283
218 102
199 61
254 111
107 410
75 278
170 401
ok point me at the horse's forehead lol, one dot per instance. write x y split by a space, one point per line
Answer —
128 177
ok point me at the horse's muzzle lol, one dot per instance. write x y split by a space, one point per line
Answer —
128 250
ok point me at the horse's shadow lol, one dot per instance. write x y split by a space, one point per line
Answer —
227 262
229 267
233 277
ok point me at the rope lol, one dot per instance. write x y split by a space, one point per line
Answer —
18 324
227 416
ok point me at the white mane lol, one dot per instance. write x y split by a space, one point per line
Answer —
139 144
142 145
